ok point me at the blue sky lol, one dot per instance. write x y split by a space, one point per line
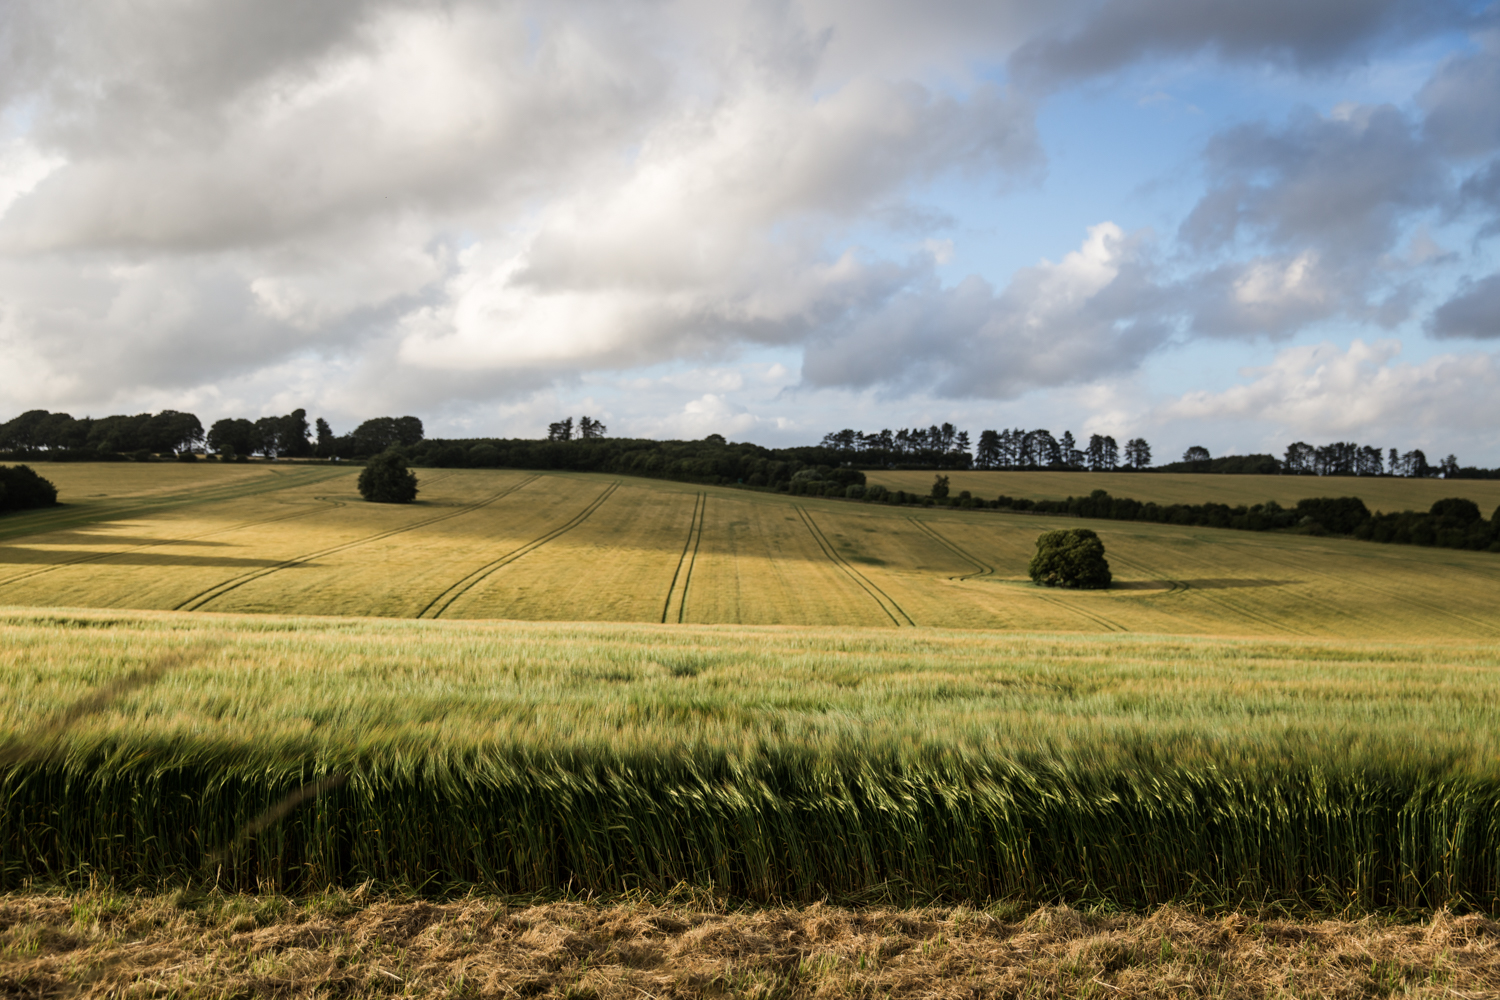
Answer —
1234 225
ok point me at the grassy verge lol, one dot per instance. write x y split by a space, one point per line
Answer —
767 764
343 943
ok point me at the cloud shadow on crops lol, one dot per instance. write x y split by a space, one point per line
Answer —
1223 583
17 556
102 538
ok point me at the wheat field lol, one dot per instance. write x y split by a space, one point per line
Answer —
1379 493
482 544
159 748
247 677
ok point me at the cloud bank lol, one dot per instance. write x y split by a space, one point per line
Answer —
440 205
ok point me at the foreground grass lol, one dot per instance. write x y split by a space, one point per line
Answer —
101 944
793 764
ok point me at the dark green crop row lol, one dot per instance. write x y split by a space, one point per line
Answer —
783 828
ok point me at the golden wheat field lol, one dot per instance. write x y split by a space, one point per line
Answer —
1379 494
499 544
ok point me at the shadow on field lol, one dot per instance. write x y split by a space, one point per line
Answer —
16 555
110 538
1209 584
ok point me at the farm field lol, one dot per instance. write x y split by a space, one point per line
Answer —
765 763
483 544
245 677
1379 494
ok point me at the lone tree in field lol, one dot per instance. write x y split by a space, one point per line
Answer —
386 479
1070 558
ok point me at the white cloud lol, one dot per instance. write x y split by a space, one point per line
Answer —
22 167
479 206
1324 392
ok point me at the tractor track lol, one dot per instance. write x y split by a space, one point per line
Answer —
444 601
688 559
204 597
1387 592
985 569
892 610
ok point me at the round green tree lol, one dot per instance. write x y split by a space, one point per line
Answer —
1073 558
386 479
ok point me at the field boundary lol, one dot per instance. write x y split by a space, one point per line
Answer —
442 602
884 600
217 591
694 539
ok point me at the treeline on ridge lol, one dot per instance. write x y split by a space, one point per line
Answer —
1453 523
38 435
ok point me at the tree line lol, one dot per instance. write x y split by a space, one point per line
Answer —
1453 523
588 429
39 435
945 447
38 431
711 461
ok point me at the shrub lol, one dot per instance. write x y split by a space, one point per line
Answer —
940 488
1465 512
386 479
22 489
1070 558
855 492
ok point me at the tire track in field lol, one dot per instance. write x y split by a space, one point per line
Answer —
1097 619
443 601
102 556
890 607
688 559
1401 596
1219 605
218 590
985 569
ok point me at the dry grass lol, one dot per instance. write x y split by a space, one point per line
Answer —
106 945
502 544
1378 494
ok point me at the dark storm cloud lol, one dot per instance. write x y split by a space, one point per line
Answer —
1110 35
1461 98
1341 184
1473 313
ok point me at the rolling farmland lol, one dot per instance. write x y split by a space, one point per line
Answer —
524 681
483 544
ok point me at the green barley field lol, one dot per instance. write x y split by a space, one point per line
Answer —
244 676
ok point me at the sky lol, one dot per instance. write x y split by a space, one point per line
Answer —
1231 224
